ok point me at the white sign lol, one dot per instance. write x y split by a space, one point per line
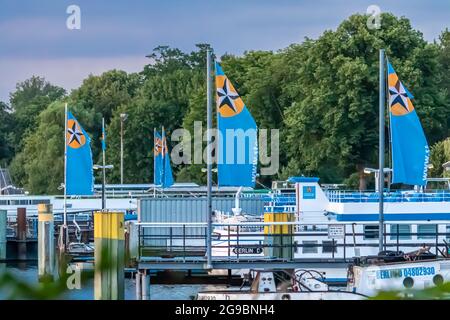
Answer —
336 231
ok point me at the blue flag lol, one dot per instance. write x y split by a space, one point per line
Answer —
410 151
237 153
162 171
157 160
79 171
167 180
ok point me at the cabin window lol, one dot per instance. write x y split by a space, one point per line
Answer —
38 201
328 246
426 231
404 231
370 232
309 246
19 202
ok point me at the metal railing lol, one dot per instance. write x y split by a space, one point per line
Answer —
259 240
84 225
31 228
405 196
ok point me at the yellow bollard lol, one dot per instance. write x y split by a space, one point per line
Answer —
109 238
279 237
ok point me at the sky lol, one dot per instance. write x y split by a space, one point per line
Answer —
35 40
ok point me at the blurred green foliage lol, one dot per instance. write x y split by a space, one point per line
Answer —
440 292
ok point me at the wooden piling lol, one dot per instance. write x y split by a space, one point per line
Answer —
21 233
109 238
3 226
46 243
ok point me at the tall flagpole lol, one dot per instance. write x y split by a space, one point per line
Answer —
209 158
64 230
104 164
382 108
154 163
163 166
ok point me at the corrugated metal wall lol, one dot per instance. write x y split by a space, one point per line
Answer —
191 209
186 210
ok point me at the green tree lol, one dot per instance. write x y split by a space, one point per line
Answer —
333 115
39 167
444 60
28 100
143 116
101 96
168 97
322 94
6 129
440 154
257 80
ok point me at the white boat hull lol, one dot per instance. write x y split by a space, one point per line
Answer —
304 295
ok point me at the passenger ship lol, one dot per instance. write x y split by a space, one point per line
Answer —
343 224
332 223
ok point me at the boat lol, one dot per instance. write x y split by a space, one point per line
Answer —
326 222
80 249
389 271
398 272
283 285
337 224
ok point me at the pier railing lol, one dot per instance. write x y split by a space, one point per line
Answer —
80 225
395 196
254 240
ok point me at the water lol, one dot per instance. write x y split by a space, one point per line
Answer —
29 274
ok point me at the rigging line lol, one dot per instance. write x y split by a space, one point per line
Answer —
261 184
388 125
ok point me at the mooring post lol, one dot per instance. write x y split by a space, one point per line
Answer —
3 225
46 242
133 240
146 285
278 239
109 239
21 233
138 285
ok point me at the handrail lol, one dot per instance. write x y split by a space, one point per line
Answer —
171 224
393 196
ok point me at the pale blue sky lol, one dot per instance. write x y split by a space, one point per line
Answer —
118 34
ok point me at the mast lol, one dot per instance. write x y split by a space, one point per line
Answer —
382 108
209 157
64 229
163 162
104 165
154 163
121 148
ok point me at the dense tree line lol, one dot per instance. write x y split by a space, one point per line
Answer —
322 94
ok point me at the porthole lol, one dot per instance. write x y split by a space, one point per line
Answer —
438 279
408 282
